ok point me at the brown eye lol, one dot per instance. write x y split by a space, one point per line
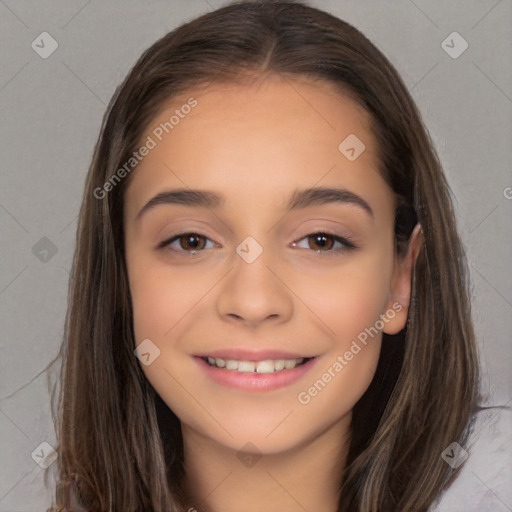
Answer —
321 242
326 243
192 242
187 243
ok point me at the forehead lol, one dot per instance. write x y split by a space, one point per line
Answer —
255 141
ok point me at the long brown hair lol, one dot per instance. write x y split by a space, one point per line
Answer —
119 445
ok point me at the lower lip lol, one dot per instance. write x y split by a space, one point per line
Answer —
252 381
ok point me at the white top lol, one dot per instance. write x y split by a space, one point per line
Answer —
484 483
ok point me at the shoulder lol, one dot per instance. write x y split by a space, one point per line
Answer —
483 483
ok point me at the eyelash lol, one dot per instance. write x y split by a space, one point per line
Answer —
347 243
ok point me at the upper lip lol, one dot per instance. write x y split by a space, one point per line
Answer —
243 354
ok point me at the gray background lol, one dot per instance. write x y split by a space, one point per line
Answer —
51 111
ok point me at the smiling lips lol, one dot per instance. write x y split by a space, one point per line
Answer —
265 366
254 370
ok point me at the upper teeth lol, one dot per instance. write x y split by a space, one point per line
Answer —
268 366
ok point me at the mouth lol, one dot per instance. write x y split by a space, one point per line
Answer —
267 372
263 366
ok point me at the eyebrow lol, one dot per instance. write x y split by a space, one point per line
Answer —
298 200
324 195
186 197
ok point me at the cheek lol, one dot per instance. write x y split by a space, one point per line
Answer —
164 302
349 302
351 297
153 305
162 297
351 308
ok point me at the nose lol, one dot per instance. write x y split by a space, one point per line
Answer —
251 294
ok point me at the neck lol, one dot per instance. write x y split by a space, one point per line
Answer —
220 479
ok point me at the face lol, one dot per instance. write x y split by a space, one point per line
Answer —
268 252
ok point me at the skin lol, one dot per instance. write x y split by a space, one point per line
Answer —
255 144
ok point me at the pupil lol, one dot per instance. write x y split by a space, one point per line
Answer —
323 241
192 242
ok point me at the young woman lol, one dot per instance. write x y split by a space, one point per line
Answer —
269 308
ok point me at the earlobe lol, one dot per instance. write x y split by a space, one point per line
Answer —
400 293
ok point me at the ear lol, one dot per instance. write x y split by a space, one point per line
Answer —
400 291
